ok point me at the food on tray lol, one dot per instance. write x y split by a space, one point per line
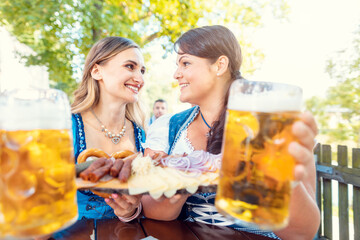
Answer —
97 170
105 164
122 154
91 152
165 176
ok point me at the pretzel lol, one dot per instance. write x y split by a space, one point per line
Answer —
121 154
94 152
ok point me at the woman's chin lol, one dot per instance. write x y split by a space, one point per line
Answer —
133 99
136 98
184 99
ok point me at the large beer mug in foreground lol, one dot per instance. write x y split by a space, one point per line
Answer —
257 171
37 171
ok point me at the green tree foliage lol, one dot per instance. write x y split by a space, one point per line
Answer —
61 32
338 114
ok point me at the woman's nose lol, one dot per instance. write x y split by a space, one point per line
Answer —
177 74
139 78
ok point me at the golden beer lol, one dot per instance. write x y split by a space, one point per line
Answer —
37 170
37 179
257 171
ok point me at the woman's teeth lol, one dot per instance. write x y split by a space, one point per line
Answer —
133 88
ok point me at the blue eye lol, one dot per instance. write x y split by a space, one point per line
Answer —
142 71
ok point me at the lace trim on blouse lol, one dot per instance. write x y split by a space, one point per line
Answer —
184 127
80 132
187 140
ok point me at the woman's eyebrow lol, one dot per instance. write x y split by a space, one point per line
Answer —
135 63
132 61
180 59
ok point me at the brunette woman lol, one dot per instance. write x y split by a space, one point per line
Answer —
209 60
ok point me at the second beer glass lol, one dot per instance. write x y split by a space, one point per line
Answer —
257 171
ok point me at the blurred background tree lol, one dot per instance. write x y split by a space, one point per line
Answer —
338 114
61 32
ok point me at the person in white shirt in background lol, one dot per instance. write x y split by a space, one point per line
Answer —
159 109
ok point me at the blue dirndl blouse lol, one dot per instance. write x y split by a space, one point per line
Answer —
90 205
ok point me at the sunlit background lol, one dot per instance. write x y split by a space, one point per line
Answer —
296 49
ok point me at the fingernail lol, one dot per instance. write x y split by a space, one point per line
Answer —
107 200
114 195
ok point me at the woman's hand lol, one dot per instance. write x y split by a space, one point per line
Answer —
164 209
154 154
174 199
304 218
305 130
124 205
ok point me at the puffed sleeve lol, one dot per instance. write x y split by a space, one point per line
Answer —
157 137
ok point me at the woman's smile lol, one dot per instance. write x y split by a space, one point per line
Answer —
133 88
183 85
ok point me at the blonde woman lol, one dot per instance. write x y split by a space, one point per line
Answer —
108 116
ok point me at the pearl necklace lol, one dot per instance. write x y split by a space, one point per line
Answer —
115 138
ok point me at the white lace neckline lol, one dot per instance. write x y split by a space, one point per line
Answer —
187 140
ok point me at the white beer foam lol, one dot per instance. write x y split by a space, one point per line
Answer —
279 99
29 114
263 103
35 117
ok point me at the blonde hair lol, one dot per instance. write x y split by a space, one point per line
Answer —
88 93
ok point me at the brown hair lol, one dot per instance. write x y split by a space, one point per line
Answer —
88 93
211 42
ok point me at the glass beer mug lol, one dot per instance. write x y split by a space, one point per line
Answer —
37 171
257 172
